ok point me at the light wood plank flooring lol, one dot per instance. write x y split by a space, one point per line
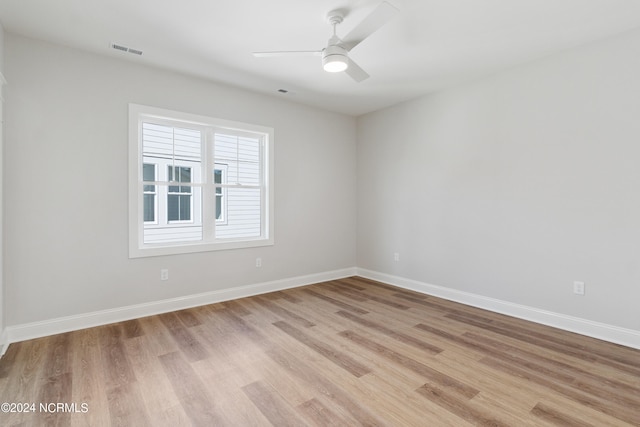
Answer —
345 352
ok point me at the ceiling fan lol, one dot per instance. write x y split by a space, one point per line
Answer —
335 57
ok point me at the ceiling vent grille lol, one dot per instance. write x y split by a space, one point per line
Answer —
126 49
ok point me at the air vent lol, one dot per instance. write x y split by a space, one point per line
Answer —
118 47
126 49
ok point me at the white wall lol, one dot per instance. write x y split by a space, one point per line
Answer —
1 49
514 186
2 315
66 186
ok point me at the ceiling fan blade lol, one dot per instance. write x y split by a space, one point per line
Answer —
355 72
376 19
287 53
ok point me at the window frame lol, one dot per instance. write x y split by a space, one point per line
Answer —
137 248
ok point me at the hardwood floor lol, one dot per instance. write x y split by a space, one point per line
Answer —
345 352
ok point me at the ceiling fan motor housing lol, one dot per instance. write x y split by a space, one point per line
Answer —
335 59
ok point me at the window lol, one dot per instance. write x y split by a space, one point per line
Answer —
197 183
149 175
179 196
219 178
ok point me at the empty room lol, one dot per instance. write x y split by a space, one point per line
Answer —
338 212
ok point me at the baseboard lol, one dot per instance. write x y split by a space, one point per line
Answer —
81 321
614 334
4 341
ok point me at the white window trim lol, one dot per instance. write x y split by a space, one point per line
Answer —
136 224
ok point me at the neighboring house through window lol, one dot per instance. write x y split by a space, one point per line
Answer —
197 183
219 178
149 174
179 196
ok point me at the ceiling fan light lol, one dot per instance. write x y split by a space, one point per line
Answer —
334 59
335 63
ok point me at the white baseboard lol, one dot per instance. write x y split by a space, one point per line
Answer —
86 320
4 341
614 334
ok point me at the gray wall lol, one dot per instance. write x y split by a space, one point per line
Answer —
2 312
66 192
514 186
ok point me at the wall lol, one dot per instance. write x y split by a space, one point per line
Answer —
66 203
512 187
3 337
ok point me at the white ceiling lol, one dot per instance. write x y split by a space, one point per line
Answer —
430 44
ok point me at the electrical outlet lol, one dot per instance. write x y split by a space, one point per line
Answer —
578 288
164 274
258 262
396 256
